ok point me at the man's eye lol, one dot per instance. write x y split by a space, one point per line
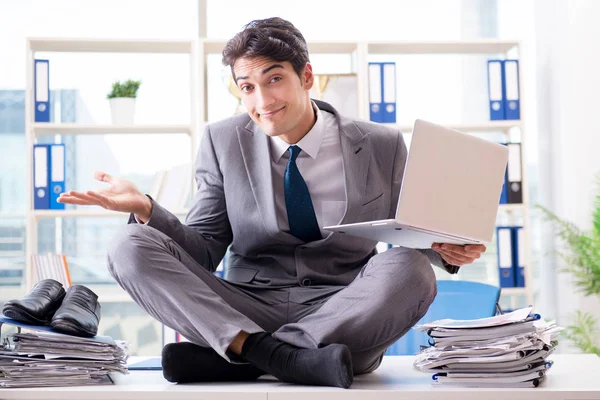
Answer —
276 79
245 88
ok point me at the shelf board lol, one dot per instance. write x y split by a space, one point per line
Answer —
476 127
42 128
110 45
95 212
443 47
512 207
516 291
336 47
5 214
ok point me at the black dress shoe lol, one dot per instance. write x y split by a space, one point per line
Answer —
39 306
187 362
79 314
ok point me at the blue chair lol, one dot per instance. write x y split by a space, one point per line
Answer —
455 300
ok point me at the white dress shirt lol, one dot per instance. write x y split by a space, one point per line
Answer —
321 165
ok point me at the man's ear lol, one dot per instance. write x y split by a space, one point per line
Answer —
308 79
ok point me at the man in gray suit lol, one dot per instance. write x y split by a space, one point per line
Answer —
303 304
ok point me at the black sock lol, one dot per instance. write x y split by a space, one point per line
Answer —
186 362
327 366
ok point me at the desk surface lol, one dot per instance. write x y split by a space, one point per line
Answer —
573 377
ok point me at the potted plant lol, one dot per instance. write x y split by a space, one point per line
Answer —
582 258
122 101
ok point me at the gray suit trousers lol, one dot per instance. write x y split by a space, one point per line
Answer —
389 295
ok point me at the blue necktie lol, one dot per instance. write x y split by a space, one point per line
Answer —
300 211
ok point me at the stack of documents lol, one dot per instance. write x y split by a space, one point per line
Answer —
508 350
45 358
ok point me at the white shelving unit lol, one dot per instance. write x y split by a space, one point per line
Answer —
199 49
360 53
40 128
34 130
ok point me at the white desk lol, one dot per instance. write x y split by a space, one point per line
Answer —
573 377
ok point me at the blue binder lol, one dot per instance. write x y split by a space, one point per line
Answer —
512 106
41 165
376 92
504 193
41 83
57 175
519 255
504 246
389 91
496 89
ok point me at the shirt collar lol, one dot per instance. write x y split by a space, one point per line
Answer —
310 143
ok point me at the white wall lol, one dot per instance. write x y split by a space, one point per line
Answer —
568 65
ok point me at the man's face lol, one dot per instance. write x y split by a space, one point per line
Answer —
273 94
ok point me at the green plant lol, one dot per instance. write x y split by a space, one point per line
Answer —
128 88
582 259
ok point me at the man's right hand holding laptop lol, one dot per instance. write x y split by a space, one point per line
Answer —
459 255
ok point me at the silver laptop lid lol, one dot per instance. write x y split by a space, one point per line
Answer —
452 182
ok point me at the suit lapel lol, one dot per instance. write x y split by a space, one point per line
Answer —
257 159
356 153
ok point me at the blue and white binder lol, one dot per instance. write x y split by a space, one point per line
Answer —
496 89
389 92
504 192
41 165
519 255
57 175
512 106
375 92
514 174
41 82
504 243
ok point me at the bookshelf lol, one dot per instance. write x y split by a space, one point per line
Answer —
33 130
199 50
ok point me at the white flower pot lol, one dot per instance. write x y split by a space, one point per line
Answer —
122 110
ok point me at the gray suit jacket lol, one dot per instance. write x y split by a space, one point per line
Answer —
235 205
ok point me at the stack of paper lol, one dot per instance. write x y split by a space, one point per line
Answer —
45 358
506 350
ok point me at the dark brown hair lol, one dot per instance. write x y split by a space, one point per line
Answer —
272 38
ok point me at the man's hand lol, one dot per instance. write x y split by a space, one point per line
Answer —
459 255
121 195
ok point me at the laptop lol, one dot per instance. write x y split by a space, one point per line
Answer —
450 191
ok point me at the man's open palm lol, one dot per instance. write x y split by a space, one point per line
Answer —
121 195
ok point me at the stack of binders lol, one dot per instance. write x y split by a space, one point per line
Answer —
48 176
508 350
503 89
382 92
511 260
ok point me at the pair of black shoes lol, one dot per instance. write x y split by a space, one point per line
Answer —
75 311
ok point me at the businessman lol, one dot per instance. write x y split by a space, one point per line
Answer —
300 303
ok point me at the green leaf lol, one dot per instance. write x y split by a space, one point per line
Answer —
581 256
128 88
583 333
